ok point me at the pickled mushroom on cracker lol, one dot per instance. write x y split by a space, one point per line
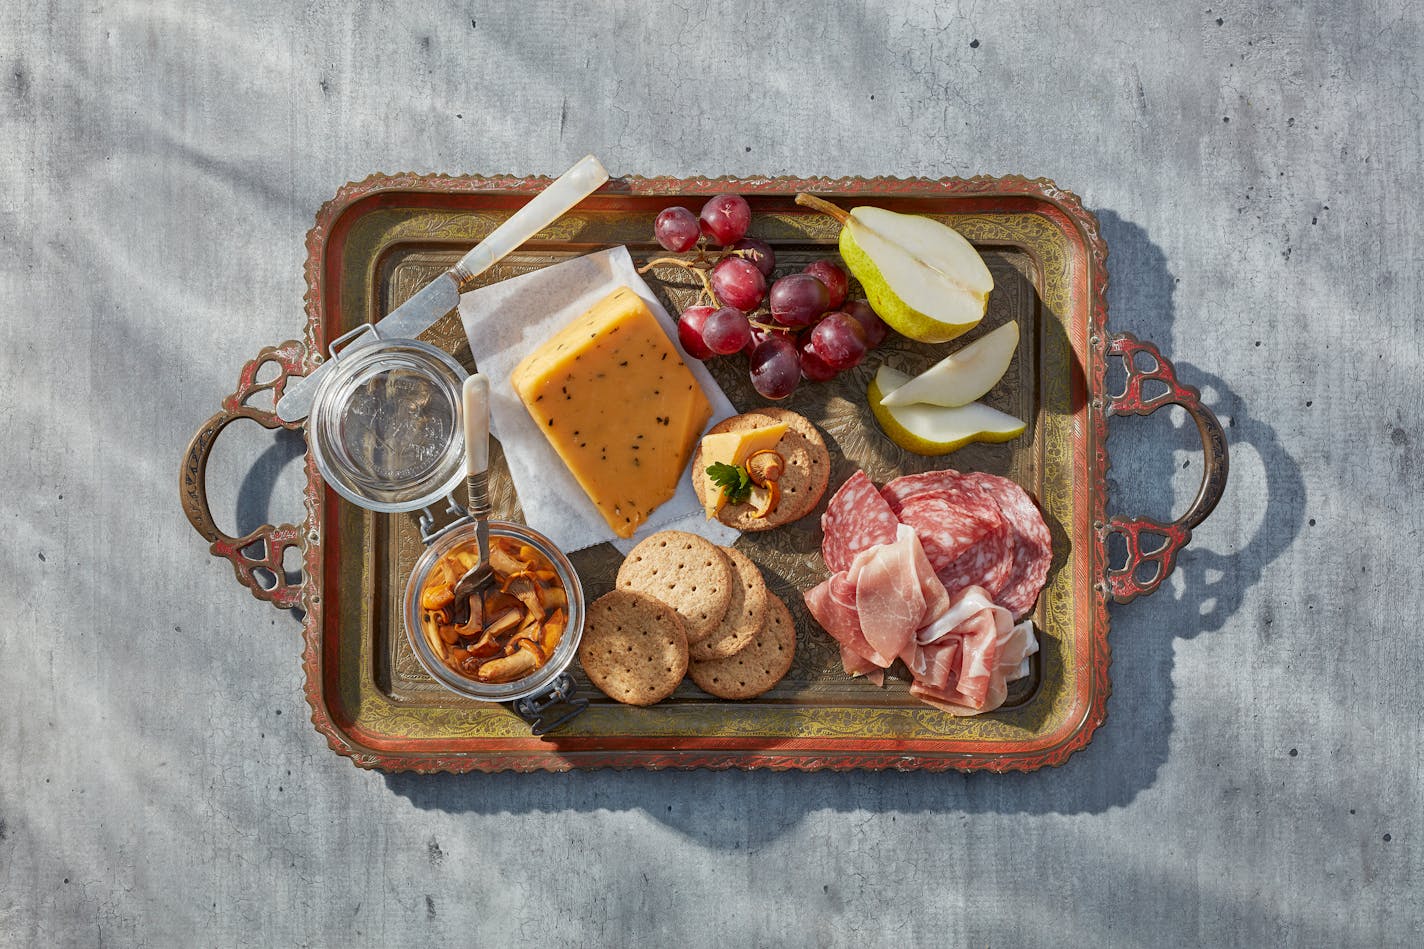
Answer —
764 470
765 467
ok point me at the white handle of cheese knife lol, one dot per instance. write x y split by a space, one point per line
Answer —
477 419
547 206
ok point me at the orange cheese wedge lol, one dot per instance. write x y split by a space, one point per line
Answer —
615 400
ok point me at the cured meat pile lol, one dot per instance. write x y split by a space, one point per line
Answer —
933 569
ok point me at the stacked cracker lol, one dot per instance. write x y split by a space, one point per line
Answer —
686 607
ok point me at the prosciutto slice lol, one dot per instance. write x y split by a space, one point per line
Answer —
971 601
980 642
937 599
889 594
857 665
839 616
1018 644
992 653
936 667
875 607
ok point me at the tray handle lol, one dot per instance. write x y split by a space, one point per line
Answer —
272 541
1124 585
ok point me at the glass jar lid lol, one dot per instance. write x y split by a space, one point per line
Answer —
385 427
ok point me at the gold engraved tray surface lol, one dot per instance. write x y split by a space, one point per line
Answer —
380 240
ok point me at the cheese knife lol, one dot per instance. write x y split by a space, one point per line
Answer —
442 294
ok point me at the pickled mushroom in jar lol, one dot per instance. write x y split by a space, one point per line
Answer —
513 627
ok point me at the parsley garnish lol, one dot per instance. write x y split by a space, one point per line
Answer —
734 481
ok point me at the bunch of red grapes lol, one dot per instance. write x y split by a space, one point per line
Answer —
812 331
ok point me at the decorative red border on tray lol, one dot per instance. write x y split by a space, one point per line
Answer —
718 754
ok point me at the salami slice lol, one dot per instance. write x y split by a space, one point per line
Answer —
988 564
949 523
856 519
964 536
1033 546
902 489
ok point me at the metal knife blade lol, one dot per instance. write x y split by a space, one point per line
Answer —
406 321
442 294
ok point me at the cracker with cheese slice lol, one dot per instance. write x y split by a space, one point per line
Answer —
733 440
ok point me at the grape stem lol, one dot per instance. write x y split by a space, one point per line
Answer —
824 206
670 262
699 265
685 265
702 261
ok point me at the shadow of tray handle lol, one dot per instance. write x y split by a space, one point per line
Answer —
1123 584
291 360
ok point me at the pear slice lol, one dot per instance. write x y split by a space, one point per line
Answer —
922 277
963 376
936 429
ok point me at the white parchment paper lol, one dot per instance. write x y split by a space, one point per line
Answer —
505 322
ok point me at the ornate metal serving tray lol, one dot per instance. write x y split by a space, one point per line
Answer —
380 240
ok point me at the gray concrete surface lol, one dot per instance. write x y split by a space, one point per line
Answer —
1256 169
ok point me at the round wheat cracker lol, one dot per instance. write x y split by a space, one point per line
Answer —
756 668
633 648
687 572
746 614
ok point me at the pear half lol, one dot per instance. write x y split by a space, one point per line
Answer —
922 277
963 376
936 429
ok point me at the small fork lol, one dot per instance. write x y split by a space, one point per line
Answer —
476 399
